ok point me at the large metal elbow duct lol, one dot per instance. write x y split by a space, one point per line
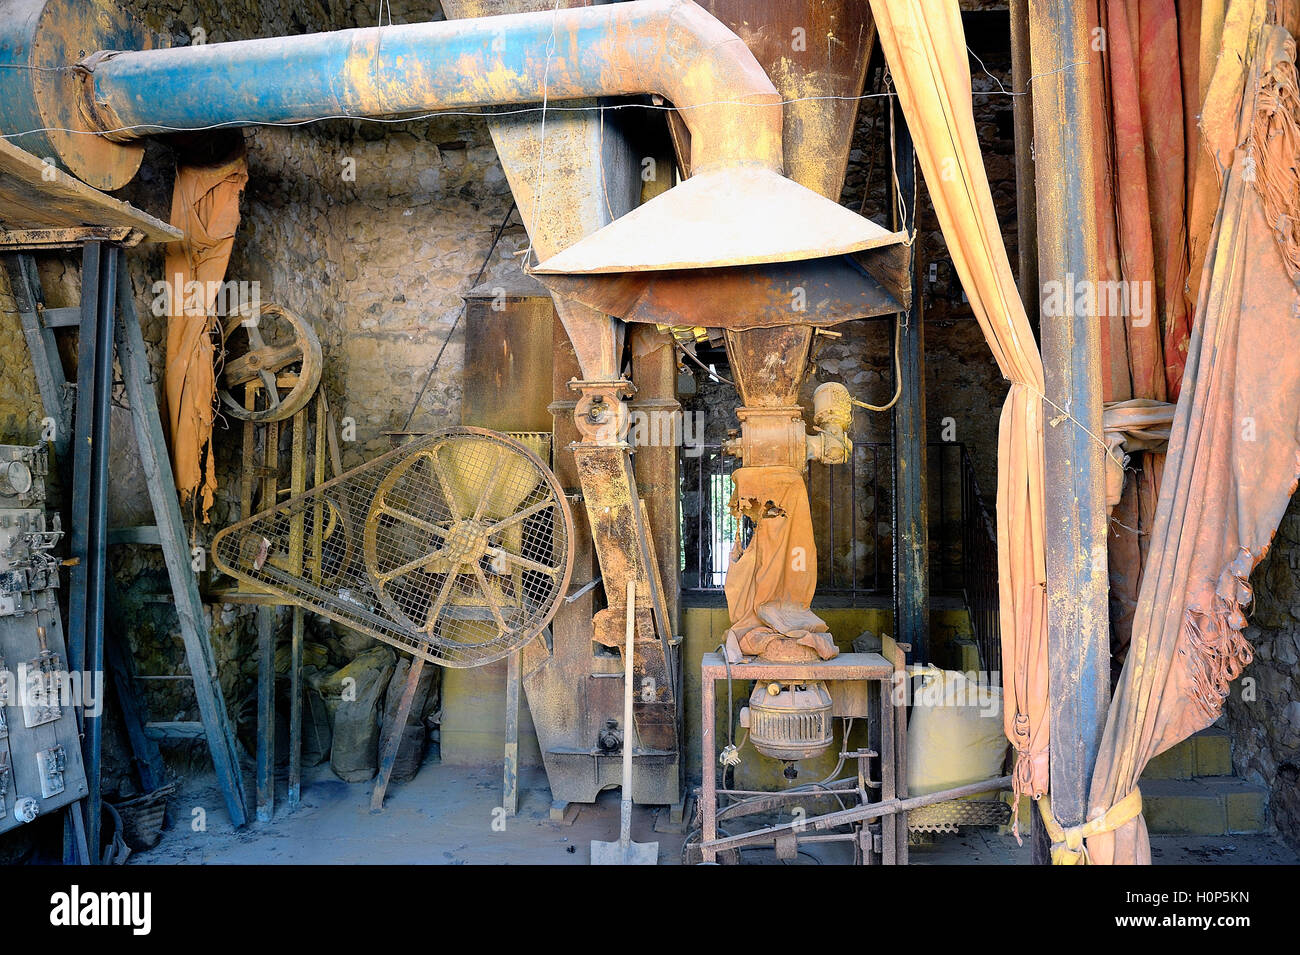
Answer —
736 211
670 47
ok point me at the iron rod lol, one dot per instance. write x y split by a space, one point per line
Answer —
1077 613
864 813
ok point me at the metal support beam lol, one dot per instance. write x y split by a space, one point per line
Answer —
911 524
89 533
1078 626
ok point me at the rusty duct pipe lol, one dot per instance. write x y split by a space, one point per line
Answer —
670 47
736 212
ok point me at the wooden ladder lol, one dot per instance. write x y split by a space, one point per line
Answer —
168 531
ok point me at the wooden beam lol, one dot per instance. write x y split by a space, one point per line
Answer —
1078 623
51 381
392 736
911 522
1023 123
152 448
36 196
510 767
38 240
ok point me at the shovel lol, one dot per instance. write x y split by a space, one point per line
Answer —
625 851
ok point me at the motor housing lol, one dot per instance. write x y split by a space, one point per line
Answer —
789 720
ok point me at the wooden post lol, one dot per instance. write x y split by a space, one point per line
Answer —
1023 121
510 771
152 448
297 486
911 524
266 647
265 713
391 740
1078 625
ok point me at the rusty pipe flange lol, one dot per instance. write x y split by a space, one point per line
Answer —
602 415
43 106
772 436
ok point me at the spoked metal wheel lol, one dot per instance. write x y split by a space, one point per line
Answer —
279 365
468 544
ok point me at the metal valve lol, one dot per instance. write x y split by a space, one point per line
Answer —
26 809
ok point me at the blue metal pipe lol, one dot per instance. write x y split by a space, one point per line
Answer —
670 47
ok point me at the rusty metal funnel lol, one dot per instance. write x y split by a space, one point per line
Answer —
736 247
744 215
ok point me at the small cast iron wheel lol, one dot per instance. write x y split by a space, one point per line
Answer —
336 552
337 542
282 362
468 544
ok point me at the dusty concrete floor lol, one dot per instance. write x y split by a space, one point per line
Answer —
446 816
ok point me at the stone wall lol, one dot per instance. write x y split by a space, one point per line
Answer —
1264 706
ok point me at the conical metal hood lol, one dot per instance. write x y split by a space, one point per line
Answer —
736 248
741 215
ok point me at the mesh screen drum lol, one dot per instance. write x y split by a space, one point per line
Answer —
456 546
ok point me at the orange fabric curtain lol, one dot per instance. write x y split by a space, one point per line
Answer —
925 47
1143 188
1234 455
205 206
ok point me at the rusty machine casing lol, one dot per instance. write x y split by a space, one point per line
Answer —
519 364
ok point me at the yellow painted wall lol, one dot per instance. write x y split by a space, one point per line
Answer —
473 719
473 728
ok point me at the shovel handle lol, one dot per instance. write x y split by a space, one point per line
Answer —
625 807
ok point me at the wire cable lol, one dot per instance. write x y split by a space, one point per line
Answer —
461 311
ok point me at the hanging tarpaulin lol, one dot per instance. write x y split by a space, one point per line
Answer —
1234 455
1142 199
925 47
1145 119
205 205
770 583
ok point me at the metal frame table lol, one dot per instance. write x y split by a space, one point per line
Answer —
843 670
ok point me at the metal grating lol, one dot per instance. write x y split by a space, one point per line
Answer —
456 546
852 511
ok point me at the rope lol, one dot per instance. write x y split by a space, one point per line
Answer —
1068 846
428 379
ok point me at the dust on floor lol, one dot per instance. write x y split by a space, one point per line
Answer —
450 815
